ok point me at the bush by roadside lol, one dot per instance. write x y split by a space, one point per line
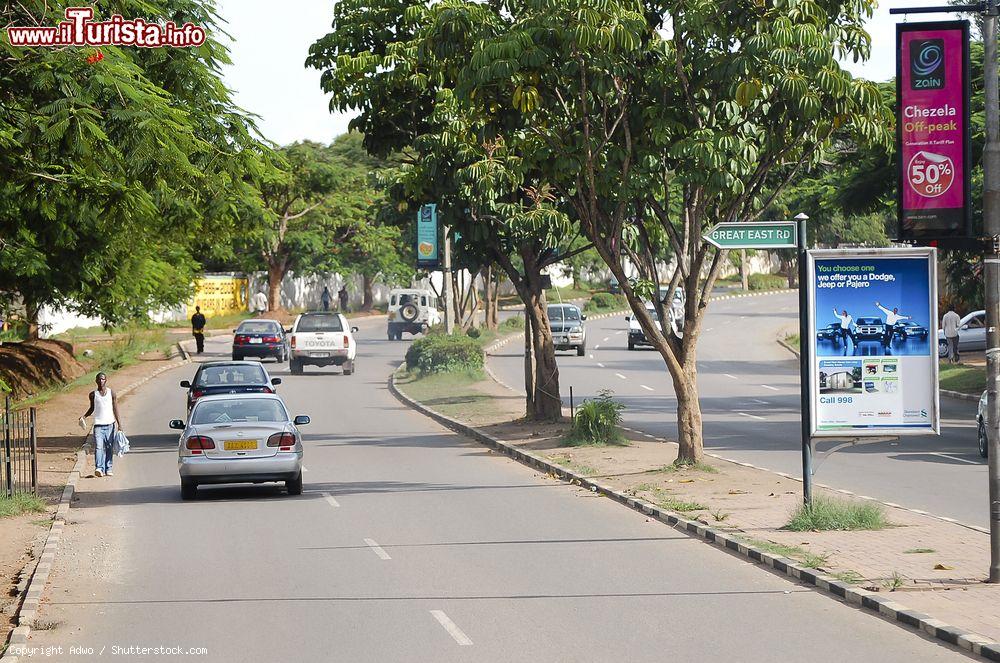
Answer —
767 282
20 504
596 422
603 302
827 513
444 354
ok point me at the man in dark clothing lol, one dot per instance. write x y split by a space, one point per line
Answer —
198 329
343 298
325 298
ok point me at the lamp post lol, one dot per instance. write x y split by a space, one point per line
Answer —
804 359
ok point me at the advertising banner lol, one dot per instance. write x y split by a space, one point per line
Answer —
427 238
219 295
932 129
873 340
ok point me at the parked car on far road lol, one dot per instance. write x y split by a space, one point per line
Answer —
228 377
246 438
260 338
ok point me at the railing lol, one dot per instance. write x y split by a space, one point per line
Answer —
19 457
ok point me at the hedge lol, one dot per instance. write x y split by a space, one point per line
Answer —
767 281
444 354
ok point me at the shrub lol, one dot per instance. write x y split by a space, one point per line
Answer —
473 332
825 513
444 354
605 301
514 322
596 422
767 281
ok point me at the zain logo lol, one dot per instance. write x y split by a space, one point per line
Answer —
927 64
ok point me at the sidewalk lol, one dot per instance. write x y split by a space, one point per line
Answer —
923 563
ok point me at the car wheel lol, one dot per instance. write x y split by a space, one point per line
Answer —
348 367
295 367
189 490
984 447
294 486
631 345
581 350
942 350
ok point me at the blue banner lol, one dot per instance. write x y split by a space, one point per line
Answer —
427 238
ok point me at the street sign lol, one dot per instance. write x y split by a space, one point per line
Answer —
767 235
427 238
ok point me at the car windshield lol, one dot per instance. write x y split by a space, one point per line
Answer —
560 313
869 321
258 327
231 376
652 313
235 410
320 323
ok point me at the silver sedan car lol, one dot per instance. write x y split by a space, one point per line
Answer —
239 438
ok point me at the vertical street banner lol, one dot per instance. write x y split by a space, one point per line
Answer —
428 256
932 129
873 341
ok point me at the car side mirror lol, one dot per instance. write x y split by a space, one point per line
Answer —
628 318
354 330
965 327
177 424
302 420
235 330
186 384
583 317
288 331
275 381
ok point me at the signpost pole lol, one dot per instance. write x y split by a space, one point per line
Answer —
991 225
804 359
449 310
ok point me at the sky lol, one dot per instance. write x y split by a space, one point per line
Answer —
271 42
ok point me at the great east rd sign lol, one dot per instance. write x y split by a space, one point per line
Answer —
773 235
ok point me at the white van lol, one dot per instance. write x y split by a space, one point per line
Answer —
412 310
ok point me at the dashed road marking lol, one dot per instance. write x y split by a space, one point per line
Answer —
590 356
597 347
731 376
377 549
605 339
450 626
759 402
621 376
619 333
950 457
767 386
647 388
752 416
330 499
600 364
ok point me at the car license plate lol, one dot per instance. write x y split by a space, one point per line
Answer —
319 354
256 340
239 445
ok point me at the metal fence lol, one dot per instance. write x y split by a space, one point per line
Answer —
19 466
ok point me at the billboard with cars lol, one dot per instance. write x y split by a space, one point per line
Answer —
872 314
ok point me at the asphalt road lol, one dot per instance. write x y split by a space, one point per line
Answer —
749 387
410 544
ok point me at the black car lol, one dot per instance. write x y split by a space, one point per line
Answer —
228 377
829 333
869 329
260 338
908 329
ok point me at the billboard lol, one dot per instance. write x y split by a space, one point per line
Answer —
873 342
219 295
427 237
932 129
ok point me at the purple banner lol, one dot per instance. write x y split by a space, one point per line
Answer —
932 129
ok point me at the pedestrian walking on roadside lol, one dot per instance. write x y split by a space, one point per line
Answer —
198 329
259 303
104 407
949 325
891 318
342 295
845 329
325 298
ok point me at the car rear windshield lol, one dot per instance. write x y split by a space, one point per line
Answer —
246 410
231 376
258 327
320 323
559 313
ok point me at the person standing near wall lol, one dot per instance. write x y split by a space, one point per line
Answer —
325 298
104 407
342 295
949 325
259 303
198 329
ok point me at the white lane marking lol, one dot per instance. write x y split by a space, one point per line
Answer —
731 376
597 347
647 388
743 317
767 386
619 333
949 456
377 549
621 376
605 339
329 498
453 630
600 364
752 416
305 469
590 356
709 329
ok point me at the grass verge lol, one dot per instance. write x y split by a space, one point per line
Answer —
20 504
695 467
962 377
826 513
806 558
573 466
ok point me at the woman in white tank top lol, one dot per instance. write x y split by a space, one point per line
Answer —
104 407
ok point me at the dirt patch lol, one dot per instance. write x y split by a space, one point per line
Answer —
30 366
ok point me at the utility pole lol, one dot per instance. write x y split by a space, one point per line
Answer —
805 360
991 228
449 313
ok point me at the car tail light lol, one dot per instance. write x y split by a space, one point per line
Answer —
198 443
271 339
292 341
239 340
268 390
196 394
347 340
284 440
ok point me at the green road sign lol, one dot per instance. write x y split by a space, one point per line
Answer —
770 235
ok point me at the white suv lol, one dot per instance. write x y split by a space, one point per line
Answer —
411 310
322 338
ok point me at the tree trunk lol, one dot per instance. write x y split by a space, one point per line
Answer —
744 275
491 282
689 422
367 296
31 313
275 275
547 400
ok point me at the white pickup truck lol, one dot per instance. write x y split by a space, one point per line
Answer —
322 338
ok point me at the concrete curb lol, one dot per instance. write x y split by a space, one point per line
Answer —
860 598
27 612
